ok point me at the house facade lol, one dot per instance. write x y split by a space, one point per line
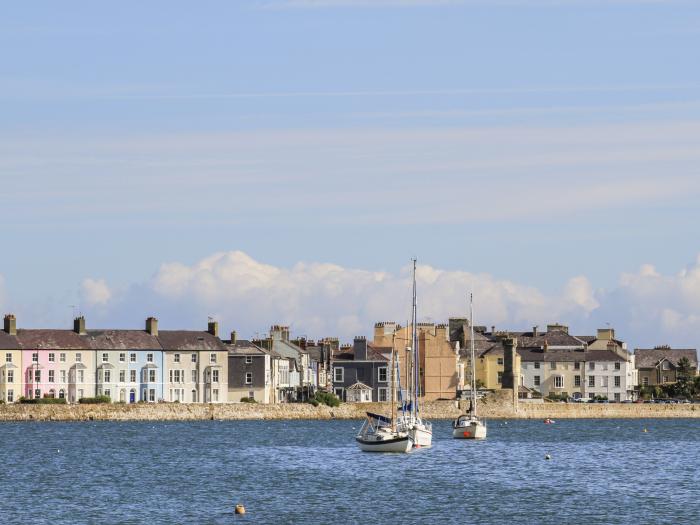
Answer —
195 364
249 372
129 364
10 362
57 363
362 373
555 362
659 365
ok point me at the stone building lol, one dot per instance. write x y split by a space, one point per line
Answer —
438 357
659 365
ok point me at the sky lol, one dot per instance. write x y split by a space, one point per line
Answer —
281 161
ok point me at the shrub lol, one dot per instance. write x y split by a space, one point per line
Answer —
325 398
248 400
43 401
95 400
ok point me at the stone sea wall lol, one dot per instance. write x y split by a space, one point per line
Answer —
498 405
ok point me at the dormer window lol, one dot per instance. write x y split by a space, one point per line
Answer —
665 365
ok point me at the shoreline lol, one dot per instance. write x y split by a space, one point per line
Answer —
495 407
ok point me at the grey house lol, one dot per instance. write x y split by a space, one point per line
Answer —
249 371
362 373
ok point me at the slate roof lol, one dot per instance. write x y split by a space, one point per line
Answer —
8 342
374 353
50 339
189 340
244 347
554 338
121 340
651 357
571 356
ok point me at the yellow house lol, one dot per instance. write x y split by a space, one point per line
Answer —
10 362
489 353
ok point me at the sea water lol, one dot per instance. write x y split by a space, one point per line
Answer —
306 472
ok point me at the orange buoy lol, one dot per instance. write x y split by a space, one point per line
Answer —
240 509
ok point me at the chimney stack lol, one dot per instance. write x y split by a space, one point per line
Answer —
359 347
152 326
534 331
213 328
10 324
234 337
79 325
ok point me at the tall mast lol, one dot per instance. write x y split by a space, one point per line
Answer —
473 364
393 384
414 343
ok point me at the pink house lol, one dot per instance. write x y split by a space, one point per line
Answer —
57 363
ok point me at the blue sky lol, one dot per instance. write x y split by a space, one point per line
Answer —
526 143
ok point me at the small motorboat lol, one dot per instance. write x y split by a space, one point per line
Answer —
548 421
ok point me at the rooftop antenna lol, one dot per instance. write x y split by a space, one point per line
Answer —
73 307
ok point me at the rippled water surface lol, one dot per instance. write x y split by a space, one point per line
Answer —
601 472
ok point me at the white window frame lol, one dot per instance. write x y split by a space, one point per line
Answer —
52 357
536 365
8 357
248 359
194 358
149 358
385 371
176 358
558 381
591 381
537 380
105 357
62 357
212 357
249 378
383 394
132 357
337 369
122 357
78 357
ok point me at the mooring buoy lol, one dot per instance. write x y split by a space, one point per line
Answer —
240 509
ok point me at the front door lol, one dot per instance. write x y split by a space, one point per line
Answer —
132 396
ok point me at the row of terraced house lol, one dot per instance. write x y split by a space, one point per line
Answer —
191 366
152 365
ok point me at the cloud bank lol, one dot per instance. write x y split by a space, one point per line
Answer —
320 299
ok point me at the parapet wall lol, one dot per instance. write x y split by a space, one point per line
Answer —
496 406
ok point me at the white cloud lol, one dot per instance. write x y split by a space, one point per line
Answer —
326 299
94 292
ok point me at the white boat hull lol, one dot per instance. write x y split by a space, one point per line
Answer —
473 429
422 436
398 444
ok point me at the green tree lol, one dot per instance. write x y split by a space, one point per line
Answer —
684 368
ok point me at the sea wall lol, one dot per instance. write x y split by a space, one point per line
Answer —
498 405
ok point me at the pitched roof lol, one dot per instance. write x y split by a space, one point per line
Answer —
244 347
568 356
50 339
189 340
8 342
651 357
121 340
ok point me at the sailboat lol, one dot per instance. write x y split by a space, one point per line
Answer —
469 426
420 430
380 433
